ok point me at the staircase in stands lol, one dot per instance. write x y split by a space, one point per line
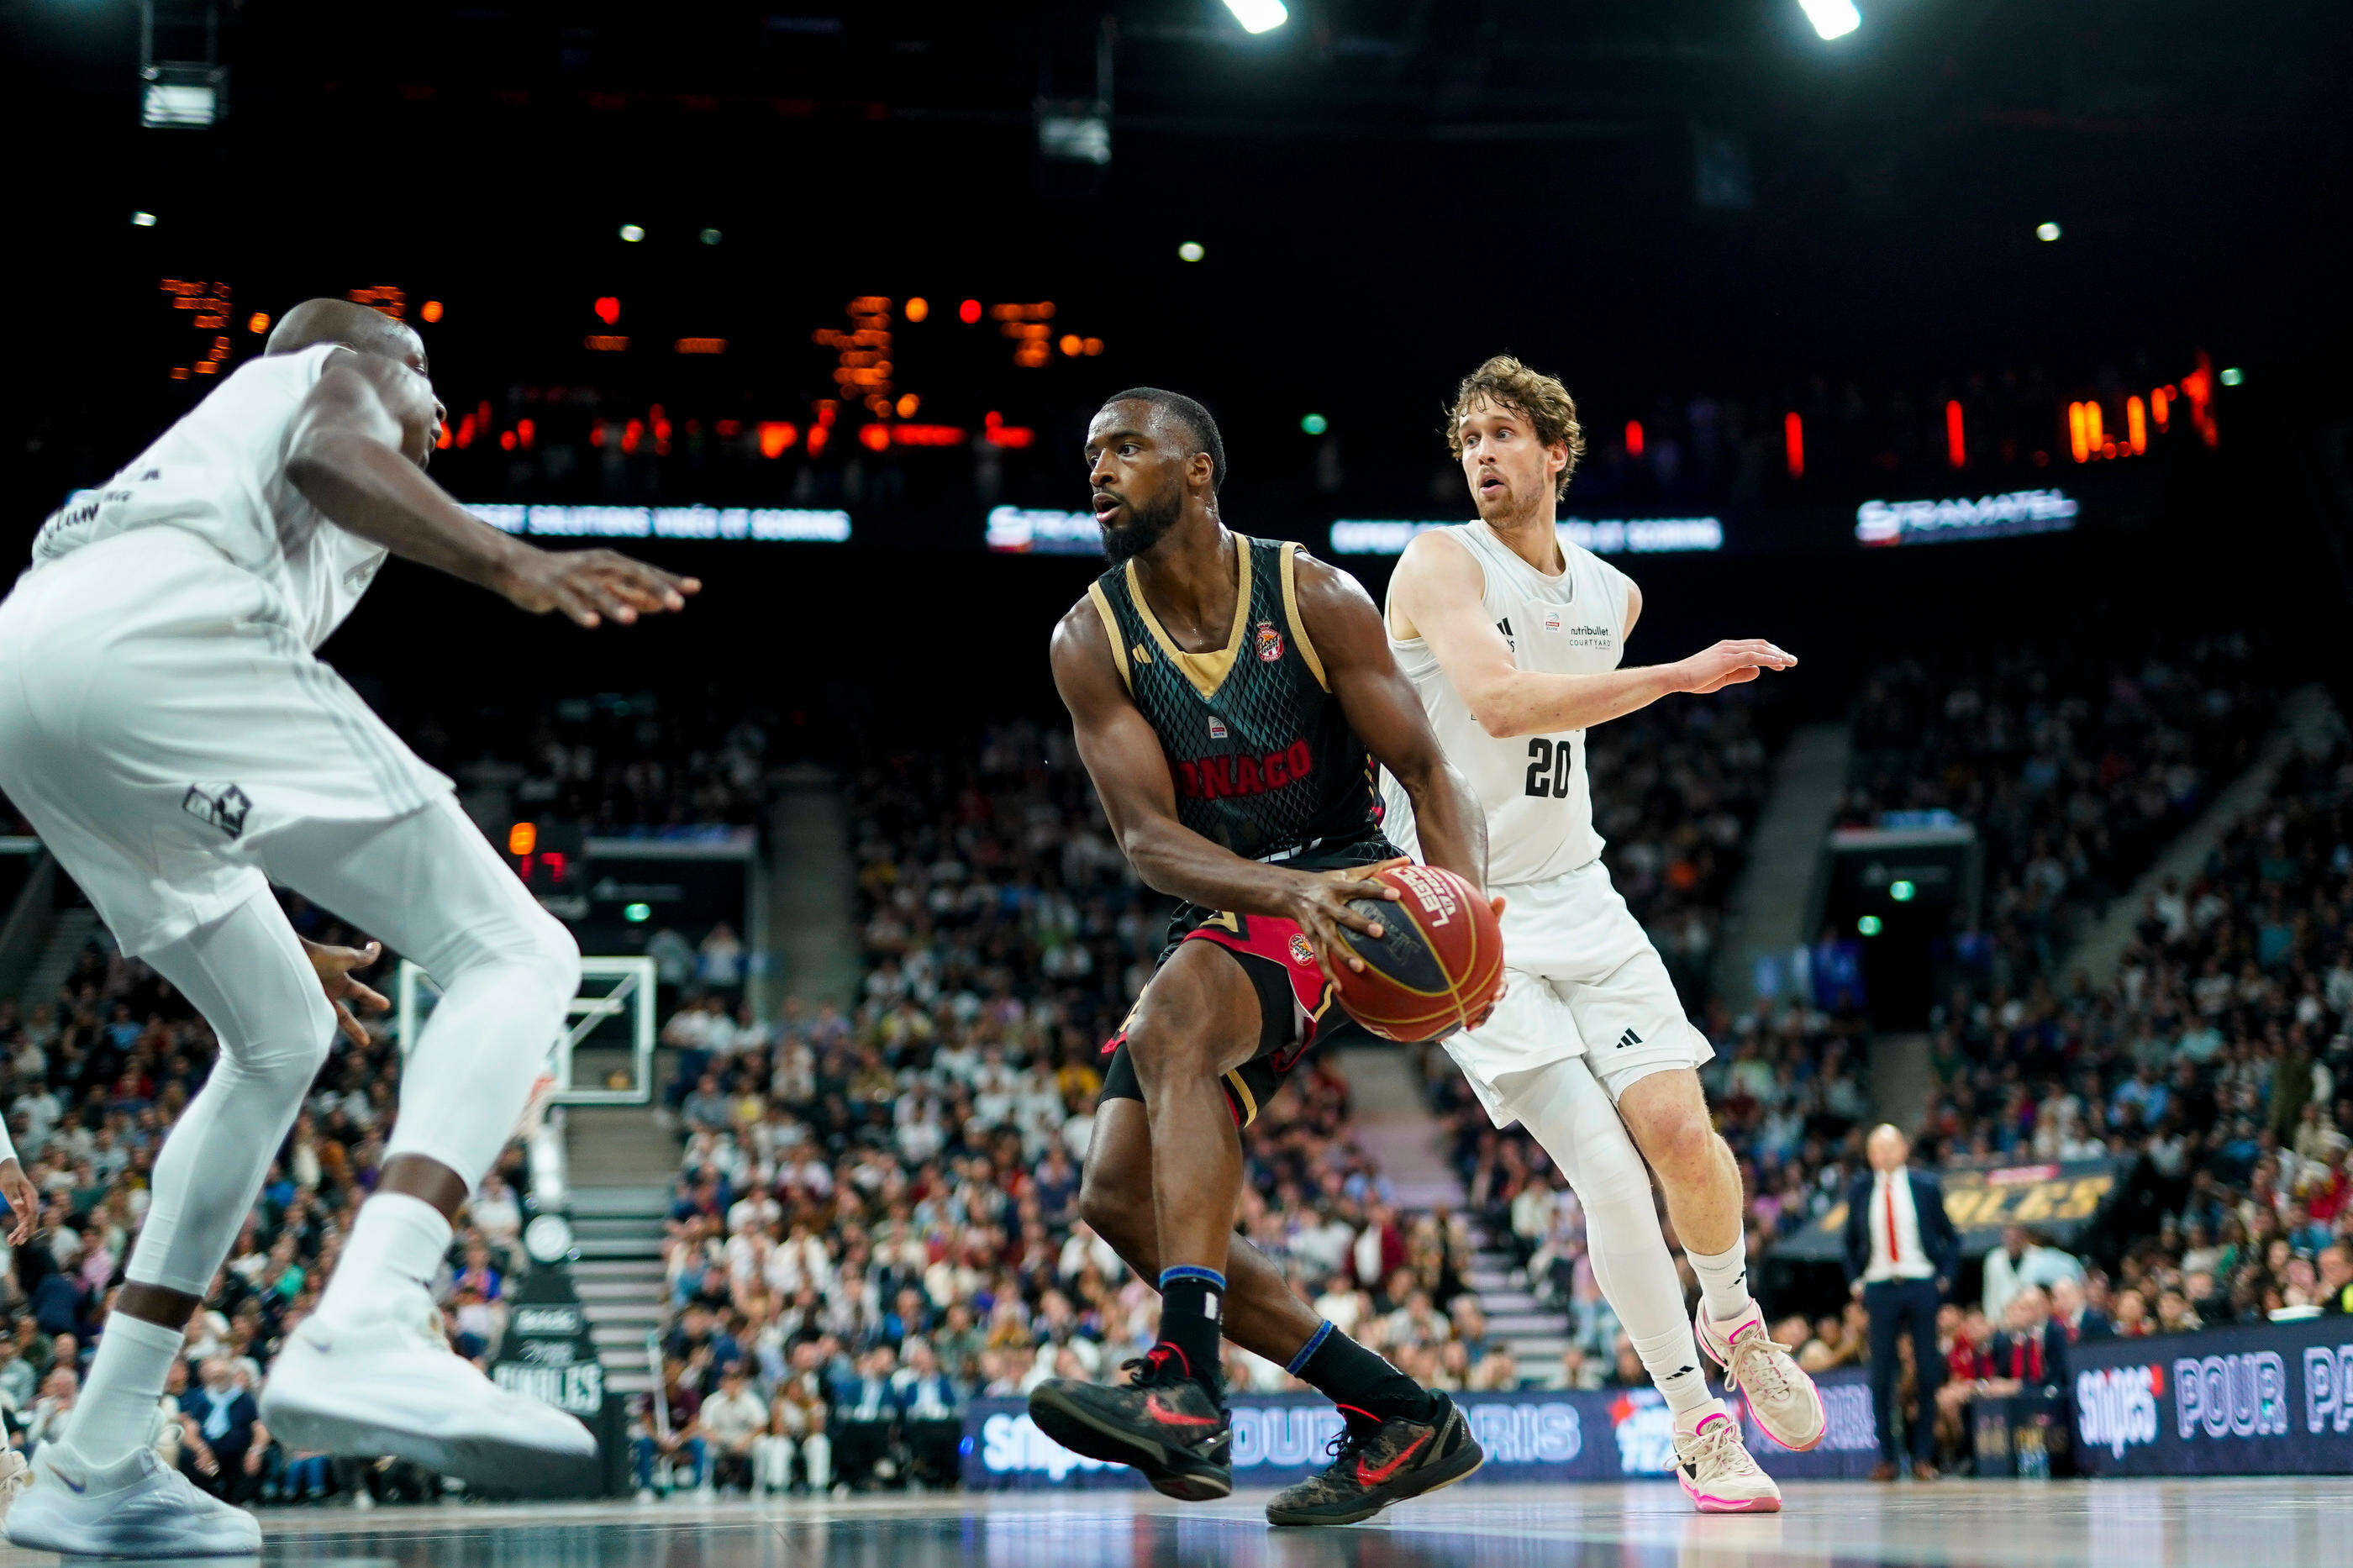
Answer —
623 1160
618 1235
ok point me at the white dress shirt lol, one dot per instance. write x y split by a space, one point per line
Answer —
1895 1249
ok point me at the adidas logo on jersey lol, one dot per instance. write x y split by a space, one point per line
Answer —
1629 1038
1504 627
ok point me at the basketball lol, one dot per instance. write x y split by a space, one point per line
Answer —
1436 963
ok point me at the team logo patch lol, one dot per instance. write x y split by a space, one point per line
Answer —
1303 952
223 806
1217 727
1552 620
1270 642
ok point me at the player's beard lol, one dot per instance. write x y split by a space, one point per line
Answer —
1148 526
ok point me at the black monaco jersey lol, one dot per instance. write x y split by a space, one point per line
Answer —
1261 756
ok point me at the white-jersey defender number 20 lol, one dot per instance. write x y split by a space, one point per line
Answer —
1534 787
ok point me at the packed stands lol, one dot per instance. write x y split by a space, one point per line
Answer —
2076 762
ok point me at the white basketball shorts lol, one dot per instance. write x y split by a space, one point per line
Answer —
161 722
1580 975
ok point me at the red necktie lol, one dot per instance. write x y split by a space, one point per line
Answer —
1894 1253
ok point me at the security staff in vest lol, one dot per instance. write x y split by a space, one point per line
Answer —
1901 1256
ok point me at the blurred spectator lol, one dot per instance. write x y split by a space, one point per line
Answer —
2019 1262
734 1420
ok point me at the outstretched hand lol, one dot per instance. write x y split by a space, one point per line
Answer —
592 586
334 966
1729 663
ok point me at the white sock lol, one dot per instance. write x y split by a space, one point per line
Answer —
1689 1421
115 1415
397 1238
1672 1358
1722 1280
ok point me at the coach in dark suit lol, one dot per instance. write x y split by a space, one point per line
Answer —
1901 1255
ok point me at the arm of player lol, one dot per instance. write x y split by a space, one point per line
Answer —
1387 714
1437 597
357 453
1130 773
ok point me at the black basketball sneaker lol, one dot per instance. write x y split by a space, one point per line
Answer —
1376 1463
1165 1423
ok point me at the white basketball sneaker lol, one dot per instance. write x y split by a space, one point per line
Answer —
1782 1398
1718 1472
136 1507
392 1385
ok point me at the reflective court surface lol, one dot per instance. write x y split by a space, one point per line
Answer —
2215 1523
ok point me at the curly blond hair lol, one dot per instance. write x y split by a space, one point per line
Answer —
1540 399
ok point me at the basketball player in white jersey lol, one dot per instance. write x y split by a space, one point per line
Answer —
1511 636
167 730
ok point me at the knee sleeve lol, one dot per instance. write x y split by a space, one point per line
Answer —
431 886
246 974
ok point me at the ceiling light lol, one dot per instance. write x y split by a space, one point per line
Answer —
1831 18
1259 15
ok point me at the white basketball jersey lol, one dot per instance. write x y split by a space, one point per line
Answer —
220 474
1538 801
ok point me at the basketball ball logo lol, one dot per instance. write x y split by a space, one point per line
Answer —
1431 892
1270 642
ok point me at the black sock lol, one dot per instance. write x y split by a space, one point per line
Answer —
1191 1304
1354 1378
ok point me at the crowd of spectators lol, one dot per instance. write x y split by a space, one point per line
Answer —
618 764
94 1077
2075 765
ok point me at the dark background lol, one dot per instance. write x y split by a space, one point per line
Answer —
1388 190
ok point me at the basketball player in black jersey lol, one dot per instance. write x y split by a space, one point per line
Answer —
1225 692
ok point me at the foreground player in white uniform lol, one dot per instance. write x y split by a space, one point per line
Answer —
165 727
1513 636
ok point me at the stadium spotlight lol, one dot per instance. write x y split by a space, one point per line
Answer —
1831 18
1869 925
1314 424
711 236
2232 376
1901 891
1262 16
636 914
143 220
631 234
1190 251
2046 232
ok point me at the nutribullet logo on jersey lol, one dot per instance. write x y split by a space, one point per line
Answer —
1213 778
1270 642
223 806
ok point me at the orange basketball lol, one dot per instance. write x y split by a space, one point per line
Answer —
1437 964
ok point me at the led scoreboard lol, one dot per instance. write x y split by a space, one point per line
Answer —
551 858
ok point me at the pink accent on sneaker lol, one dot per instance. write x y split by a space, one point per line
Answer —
1717 1339
1707 1504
